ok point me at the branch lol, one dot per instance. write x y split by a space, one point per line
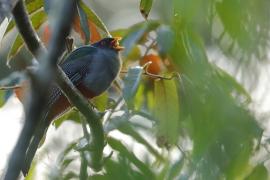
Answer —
75 97
26 29
42 80
39 81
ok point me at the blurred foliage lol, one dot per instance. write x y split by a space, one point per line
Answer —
197 111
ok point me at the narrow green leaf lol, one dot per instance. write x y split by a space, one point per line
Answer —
194 46
32 8
119 32
232 84
131 84
145 7
122 149
84 23
166 110
72 114
127 129
259 173
175 169
101 101
94 18
37 20
15 48
115 122
2 98
32 171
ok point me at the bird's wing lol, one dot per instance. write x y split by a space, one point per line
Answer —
75 70
80 52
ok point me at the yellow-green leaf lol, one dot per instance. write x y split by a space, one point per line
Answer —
101 101
37 20
259 173
145 7
166 110
32 7
2 98
72 114
16 46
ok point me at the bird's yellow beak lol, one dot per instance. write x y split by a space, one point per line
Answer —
115 44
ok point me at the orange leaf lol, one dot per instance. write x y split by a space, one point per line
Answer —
94 34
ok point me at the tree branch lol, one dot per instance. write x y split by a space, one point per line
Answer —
40 80
26 29
43 78
75 97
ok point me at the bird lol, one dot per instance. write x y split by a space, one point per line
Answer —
92 69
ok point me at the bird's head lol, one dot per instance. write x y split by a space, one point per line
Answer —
109 43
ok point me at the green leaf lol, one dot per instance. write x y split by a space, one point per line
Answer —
122 149
37 20
258 173
32 8
15 48
134 54
32 171
115 122
131 84
232 84
84 23
166 110
145 7
136 33
72 114
101 101
119 32
2 98
195 47
127 129
94 18
176 168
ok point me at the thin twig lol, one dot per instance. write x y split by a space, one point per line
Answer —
146 73
184 153
10 87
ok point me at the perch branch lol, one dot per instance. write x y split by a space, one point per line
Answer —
39 80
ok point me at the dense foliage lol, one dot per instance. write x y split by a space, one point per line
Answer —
190 116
